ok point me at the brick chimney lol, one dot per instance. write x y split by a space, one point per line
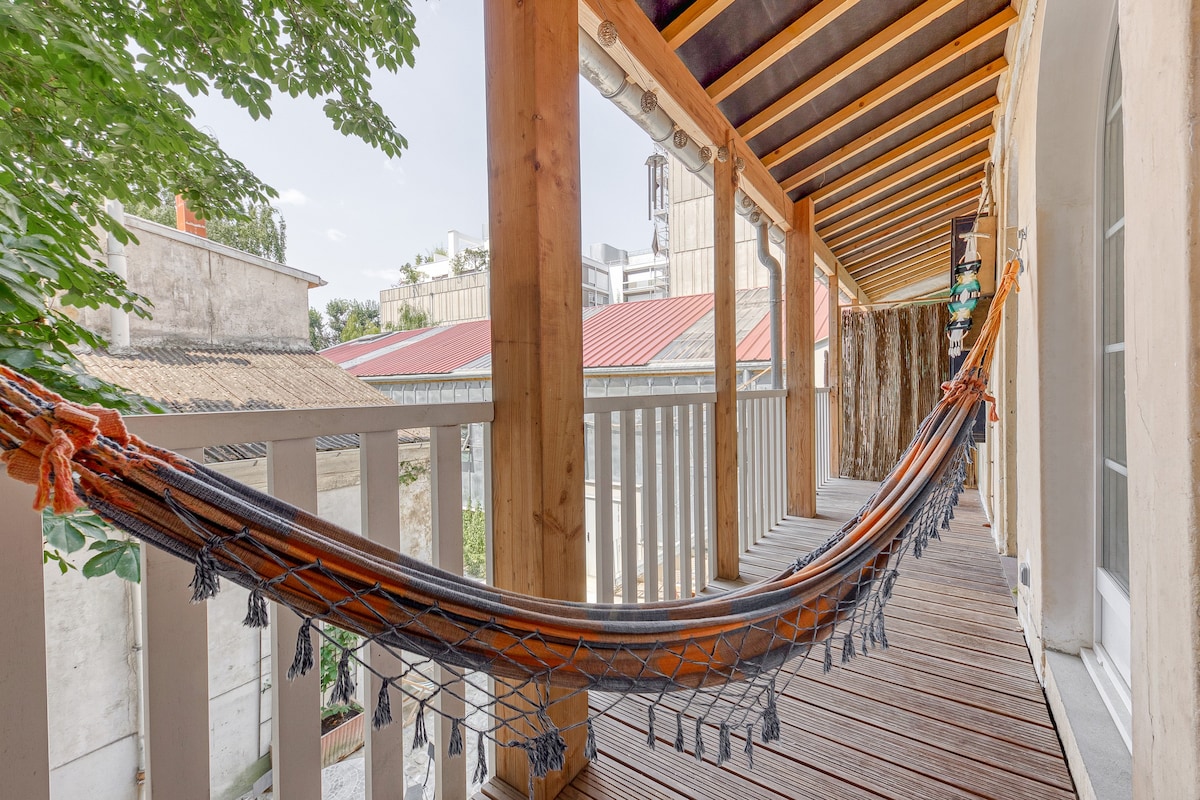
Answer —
186 219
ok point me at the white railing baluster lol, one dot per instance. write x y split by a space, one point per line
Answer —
669 504
650 503
380 502
710 457
604 508
686 489
700 474
629 507
25 738
744 540
296 704
446 497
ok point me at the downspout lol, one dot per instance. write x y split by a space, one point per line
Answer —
775 290
115 255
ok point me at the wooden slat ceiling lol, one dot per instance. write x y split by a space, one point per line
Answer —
880 110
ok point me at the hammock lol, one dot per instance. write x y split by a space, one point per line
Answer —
722 653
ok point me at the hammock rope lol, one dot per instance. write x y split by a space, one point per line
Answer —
726 656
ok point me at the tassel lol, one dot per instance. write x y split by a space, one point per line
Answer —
303 660
590 752
848 647
724 745
749 748
420 737
889 583
699 739
204 583
343 687
256 611
455 747
880 630
651 738
547 752
828 654
864 639
481 769
679 732
770 718
383 708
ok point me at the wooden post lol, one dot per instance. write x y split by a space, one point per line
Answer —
295 704
801 396
531 52
725 483
835 379
175 677
24 735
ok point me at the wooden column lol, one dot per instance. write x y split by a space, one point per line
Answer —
835 379
725 332
532 64
24 734
801 396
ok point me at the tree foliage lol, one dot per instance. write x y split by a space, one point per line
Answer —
92 108
473 259
261 230
345 320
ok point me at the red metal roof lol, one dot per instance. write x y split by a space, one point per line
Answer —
341 353
438 353
630 334
757 344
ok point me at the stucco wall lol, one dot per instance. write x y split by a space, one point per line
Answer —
207 293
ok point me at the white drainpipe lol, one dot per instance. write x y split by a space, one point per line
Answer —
115 251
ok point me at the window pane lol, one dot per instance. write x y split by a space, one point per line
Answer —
1114 407
1113 281
1115 542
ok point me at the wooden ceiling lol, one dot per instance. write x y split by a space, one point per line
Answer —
881 111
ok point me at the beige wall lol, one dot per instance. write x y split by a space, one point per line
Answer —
209 294
457 298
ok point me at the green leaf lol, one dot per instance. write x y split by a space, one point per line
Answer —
62 535
102 564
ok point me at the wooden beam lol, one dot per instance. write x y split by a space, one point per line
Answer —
782 43
906 277
905 196
800 405
902 151
728 547
908 226
693 18
865 222
832 267
926 233
643 51
531 53
941 240
899 31
910 116
835 382
915 264
882 187
893 86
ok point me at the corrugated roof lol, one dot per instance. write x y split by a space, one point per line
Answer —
341 353
756 346
437 353
630 334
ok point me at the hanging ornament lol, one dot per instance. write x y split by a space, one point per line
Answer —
649 101
739 164
681 138
606 34
964 295
706 154
722 154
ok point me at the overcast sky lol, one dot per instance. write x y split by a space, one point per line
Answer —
353 216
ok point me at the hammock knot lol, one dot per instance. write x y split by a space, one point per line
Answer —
547 751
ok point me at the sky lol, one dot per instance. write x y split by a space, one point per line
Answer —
354 216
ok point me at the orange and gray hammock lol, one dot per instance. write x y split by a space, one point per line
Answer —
722 655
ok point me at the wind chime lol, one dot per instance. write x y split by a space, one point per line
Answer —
969 270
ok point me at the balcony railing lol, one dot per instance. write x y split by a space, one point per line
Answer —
650 503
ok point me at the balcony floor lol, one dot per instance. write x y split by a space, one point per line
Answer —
951 710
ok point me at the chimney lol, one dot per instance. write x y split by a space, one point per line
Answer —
186 219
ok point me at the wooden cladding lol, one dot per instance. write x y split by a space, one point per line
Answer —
893 363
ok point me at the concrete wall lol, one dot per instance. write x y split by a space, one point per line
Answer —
209 294
691 267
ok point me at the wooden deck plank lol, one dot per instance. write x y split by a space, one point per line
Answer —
951 709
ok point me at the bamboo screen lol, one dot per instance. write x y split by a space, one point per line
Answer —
894 361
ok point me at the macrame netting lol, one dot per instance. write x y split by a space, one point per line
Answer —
722 658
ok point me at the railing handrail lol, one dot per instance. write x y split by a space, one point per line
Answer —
602 405
760 394
213 428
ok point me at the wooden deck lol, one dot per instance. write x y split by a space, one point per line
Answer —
951 710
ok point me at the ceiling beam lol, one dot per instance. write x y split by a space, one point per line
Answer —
893 86
912 242
642 50
782 43
902 151
901 253
899 31
833 269
910 116
865 222
693 18
932 161
932 269
905 196
905 223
